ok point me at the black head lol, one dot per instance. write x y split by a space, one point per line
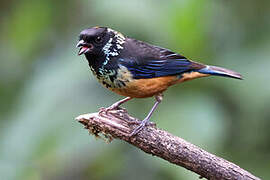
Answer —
92 40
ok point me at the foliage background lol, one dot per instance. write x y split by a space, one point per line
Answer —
44 85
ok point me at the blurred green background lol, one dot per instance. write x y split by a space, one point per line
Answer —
44 85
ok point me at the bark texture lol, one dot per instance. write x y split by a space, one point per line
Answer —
118 124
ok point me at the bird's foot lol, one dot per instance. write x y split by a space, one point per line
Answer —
106 110
114 106
138 122
141 125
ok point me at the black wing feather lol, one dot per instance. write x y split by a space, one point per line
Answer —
151 68
153 61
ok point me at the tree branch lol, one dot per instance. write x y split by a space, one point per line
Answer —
118 124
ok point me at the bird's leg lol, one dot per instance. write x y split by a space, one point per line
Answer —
116 105
159 98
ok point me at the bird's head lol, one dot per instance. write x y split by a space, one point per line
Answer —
98 40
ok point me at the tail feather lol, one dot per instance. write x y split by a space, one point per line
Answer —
219 71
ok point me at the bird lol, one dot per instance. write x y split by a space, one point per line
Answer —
136 69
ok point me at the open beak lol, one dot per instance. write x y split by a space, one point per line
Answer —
83 47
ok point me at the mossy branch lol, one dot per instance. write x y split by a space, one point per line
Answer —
118 124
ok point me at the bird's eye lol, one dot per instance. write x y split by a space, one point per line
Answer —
98 39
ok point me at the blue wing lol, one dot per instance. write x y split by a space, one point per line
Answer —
156 68
153 61
151 68
147 61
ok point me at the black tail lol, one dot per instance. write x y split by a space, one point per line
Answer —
219 71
